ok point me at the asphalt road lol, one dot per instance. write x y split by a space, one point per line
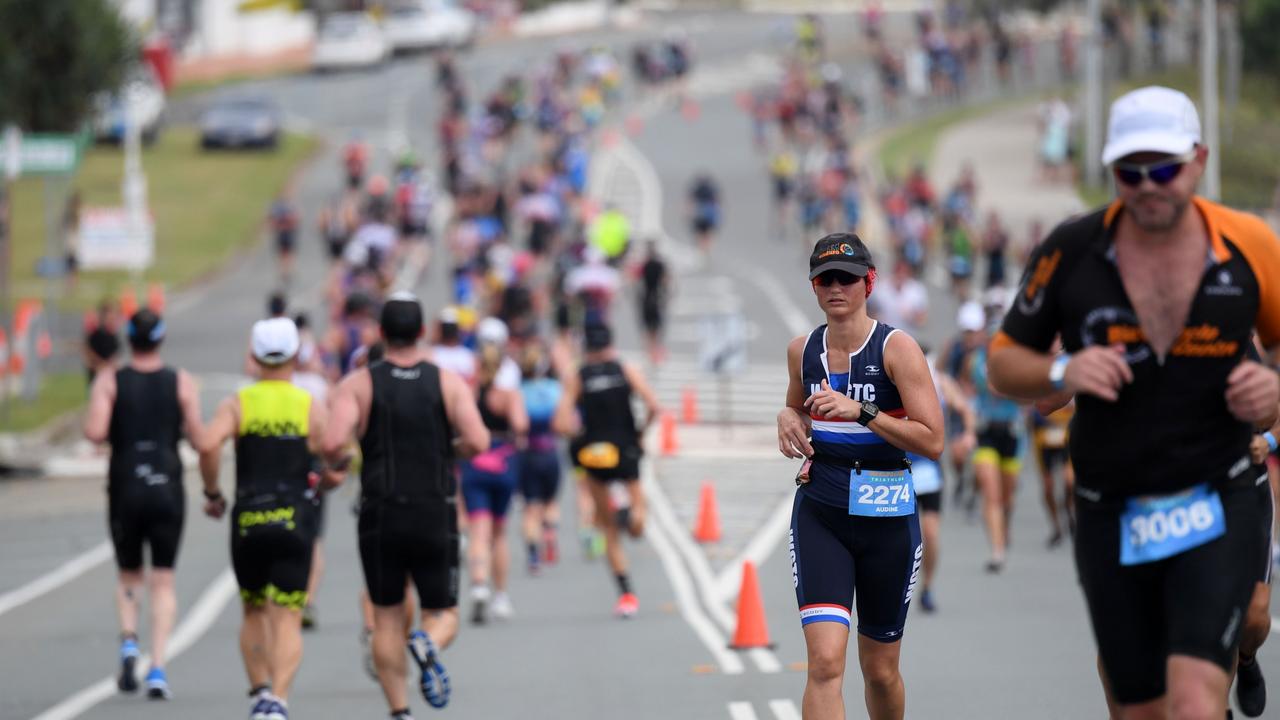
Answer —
1009 646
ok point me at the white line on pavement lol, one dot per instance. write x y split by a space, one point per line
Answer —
1275 624
196 623
686 597
758 549
784 710
56 578
665 517
742 711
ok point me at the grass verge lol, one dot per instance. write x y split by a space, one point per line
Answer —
206 206
60 393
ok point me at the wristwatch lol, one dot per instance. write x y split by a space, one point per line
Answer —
869 412
1058 371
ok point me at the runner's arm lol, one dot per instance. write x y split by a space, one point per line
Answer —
642 388
566 421
318 420
189 399
794 422
464 416
343 421
220 428
102 396
921 431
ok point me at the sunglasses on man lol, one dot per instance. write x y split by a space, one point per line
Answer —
837 276
1160 172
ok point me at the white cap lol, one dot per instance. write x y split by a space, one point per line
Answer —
971 317
1151 119
275 341
492 331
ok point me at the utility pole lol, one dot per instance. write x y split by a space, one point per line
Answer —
1209 97
1093 94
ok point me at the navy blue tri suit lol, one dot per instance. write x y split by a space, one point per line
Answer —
855 534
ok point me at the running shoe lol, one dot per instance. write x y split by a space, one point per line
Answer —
277 710
366 652
401 715
435 679
309 617
261 705
995 566
1055 539
501 607
1251 688
158 685
627 607
927 603
550 548
480 597
128 681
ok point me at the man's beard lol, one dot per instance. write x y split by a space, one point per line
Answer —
1164 219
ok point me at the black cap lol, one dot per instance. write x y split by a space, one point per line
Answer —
840 251
401 318
597 336
145 330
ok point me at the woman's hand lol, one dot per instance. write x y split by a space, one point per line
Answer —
833 405
793 434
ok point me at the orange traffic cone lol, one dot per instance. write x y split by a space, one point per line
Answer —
44 345
708 527
689 406
634 125
690 110
752 630
155 298
667 435
128 301
609 138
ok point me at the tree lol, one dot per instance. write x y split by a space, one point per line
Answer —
55 56
1258 22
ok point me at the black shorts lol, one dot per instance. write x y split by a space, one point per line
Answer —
414 230
929 502
540 475
1267 502
841 561
399 542
1001 438
1192 603
285 241
703 226
1052 458
651 314
150 515
336 246
271 544
628 467
783 189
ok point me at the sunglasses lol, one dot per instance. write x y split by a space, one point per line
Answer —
1160 172
836 276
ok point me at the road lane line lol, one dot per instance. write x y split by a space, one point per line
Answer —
758 549
194 625
784 710
1275 624
664 516
742 711
687 600
56 578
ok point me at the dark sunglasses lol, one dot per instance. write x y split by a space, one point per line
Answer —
836 276
1160 172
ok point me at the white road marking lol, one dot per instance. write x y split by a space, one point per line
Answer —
758 548
742 711
196 623
56 578
784 710
686 596
1275 624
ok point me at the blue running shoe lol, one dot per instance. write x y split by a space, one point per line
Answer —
128 681
926 602
158 685
261 704
435 679
277 710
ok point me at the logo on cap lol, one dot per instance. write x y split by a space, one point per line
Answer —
843 249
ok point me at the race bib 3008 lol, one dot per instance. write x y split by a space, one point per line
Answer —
1157 527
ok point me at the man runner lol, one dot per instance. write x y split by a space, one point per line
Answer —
1155 299
406 413
142 410
276 428
606 442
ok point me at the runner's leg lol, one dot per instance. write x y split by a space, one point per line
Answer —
164 610
254 636
389 633
827 644
886 695
286 647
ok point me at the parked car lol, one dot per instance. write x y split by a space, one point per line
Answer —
142 89
422 24
241 123
350 40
